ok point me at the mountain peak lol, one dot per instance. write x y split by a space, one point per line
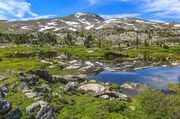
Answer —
88 15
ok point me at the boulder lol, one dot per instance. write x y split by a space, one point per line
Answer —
24 88
43 88
95 88
2 78
69 78
30 78
4 88
62 57
5 106
31 94
71 86
132 89
59 79
116 95
34 107
45 112
105 96
14 114
44 75
2 95
46 62
42 108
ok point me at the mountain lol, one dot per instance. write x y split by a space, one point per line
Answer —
117 30
73 22
83 21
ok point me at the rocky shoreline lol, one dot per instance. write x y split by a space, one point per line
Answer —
31 86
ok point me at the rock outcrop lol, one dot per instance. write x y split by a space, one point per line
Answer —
42 110
14 114
95 88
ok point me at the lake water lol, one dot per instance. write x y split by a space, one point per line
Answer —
157 77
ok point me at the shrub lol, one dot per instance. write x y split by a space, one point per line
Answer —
115 106
159 106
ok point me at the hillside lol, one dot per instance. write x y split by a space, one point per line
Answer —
116 30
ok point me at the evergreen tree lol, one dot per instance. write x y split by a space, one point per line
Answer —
88 43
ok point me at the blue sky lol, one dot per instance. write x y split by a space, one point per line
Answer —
160 10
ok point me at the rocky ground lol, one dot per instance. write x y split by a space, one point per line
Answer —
32 86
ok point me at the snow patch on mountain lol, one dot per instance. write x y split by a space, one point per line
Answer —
78 15
52 23
89 27
72 29
177 25
84 21
43 28
25 28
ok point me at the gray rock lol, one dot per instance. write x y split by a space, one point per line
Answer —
132 89
32 108
42 108
2 95
44 75
62 57
43 88
116 95
2 78
59 79
4 88
94 88
71 86
23 87
31 94
30 78
14 114
70 78
5 106
105 96
44 112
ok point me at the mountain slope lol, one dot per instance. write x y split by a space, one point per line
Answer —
116 30
83 21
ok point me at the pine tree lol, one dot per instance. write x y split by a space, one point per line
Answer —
88 43
137 41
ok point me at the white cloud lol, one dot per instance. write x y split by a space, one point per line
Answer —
155 20
38 17
163 8
120 16
93 2
157 8
16 9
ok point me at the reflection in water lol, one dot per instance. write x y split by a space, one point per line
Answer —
158 77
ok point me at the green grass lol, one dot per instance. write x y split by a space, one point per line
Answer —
84 53
83 106
175 88
14 96
87 107
9 51
18 99
20 64
157 52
